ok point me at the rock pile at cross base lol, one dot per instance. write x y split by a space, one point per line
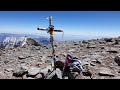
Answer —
100 56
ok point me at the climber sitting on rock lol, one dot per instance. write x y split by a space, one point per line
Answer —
72 66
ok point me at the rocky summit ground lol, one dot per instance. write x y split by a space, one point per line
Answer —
100 56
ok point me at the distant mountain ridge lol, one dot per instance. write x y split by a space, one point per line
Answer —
8 40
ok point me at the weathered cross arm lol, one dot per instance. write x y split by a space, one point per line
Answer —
42 29
58 30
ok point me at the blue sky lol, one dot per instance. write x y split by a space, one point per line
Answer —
75 23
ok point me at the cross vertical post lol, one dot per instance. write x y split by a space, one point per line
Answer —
51 31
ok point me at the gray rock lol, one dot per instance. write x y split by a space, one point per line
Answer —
43 58
22 57
95 61
92 64
96 56
73 75
24 66
108 39
85 77
59 73
85 41
71 50
65 77
39 76
105 72
117 45
33 71
117 77
102 47
20 72
9 69
87 71
112 51
85 61
98 61
39 64
117 60
37 48
60 64
78 75
2 75
24 77
91 46
5 61
76 44
64 54
45 70
30 78
92 43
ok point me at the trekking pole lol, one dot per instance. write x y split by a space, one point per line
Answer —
51 31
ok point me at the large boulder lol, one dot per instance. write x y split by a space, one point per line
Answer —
33 71
60 64
103 71
117 60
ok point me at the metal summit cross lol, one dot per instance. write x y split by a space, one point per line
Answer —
51 31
